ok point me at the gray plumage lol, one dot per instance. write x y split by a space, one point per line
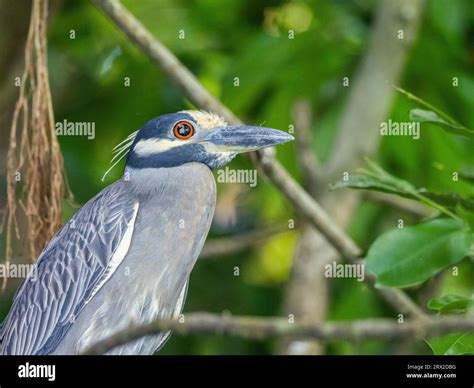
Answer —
141 289
126 256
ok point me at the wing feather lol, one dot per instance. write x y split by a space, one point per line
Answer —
77 261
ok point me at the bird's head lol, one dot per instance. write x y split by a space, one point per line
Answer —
193 136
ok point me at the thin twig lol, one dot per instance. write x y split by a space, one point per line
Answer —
198 95
262 328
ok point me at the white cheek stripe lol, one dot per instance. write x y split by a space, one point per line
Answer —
154 146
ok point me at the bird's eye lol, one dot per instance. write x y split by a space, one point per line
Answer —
183 130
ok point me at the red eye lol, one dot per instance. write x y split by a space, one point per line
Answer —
183 130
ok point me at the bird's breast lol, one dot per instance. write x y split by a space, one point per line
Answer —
174 218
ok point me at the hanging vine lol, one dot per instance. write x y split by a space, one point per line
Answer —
35 170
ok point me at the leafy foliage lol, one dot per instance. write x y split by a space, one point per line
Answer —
375 178
407 256
450 304
428 116
453 344
436 116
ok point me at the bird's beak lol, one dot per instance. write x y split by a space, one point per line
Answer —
243 138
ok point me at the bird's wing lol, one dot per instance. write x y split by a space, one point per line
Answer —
176 313
77 261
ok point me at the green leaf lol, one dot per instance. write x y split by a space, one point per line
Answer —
411 255
364 182
450 304
374 177
428 116
452 344
452 201
377 179
435 116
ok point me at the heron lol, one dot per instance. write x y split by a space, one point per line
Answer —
126 256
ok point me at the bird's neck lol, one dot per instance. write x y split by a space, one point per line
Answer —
150 181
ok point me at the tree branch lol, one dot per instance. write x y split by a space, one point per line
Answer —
198 95
262 328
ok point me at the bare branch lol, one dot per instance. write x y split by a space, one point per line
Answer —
198 95
262 328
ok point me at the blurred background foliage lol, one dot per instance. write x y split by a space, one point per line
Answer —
248 39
